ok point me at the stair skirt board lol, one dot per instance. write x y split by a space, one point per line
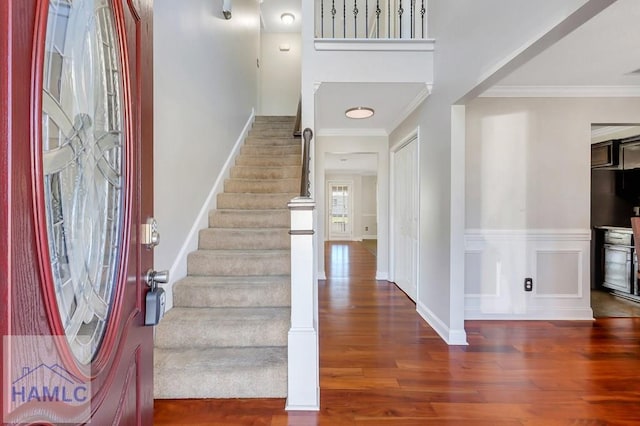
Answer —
226 336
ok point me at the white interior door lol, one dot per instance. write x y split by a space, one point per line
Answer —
406 205
340 211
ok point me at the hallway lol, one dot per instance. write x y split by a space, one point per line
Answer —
381 365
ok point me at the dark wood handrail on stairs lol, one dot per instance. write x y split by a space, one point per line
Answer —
297 127
305 189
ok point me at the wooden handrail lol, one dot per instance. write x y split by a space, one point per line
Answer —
297 127
305 188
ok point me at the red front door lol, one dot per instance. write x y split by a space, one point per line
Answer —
76 184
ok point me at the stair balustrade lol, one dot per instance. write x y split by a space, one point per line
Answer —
391 19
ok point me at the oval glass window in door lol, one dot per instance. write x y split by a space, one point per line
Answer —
83 157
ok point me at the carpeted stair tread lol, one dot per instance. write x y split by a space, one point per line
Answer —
271 150
268 160
272 141
254 201
265 172
261 186
223 327
239 262
230 218
271 118
244 238
220 291
220 373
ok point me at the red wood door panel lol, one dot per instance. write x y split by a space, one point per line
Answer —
118 376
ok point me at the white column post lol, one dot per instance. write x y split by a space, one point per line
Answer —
304 370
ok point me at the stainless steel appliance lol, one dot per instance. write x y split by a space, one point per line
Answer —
620 262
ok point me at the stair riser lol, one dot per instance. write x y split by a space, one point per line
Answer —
224 239
248 172
253 202
264 161
275 118
274 219
232 296
269 382
202 263
180 334
257 150
262 186
279 125
272 133
251 141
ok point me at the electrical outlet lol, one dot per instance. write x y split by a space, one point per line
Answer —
528 284
366 228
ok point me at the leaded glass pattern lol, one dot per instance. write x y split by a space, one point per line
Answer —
83 164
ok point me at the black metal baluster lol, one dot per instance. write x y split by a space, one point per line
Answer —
322 19
388 18
355 18
400 12
366 18
422 12
413 26
378 12
344 19
333 18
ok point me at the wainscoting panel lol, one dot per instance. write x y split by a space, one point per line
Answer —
498 261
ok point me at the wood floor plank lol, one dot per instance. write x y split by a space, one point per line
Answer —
381 364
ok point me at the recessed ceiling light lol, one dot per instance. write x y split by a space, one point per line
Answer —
359 112
287 18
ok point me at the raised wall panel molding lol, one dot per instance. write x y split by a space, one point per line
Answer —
498 260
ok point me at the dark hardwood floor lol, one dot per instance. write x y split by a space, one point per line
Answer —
380 364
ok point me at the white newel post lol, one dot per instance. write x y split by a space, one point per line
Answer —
304 377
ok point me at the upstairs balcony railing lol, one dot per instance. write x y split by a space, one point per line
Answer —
376 19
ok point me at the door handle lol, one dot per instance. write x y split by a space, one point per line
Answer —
153 278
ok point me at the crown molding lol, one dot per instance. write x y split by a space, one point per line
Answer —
562 92
415 103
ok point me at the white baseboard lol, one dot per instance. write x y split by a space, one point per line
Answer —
585 314
179 267
382 276
369 237
450 336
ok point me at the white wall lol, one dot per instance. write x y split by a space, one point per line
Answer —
205 88
528 177
369 224
476 44
359 144
280 73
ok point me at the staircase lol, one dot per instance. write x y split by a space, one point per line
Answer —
226 336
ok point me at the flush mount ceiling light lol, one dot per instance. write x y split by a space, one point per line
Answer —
287 18
359 112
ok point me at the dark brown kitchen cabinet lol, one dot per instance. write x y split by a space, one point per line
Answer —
631 153
605 155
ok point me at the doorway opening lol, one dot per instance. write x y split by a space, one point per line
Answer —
615 199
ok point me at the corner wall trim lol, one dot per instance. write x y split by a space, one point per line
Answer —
179 267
